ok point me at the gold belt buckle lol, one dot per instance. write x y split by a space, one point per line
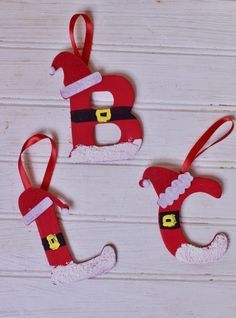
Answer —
53 242
169 220
103 115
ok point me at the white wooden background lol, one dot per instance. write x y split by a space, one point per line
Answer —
181 55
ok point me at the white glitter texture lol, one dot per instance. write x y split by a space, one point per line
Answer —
89 269
191 254
120 151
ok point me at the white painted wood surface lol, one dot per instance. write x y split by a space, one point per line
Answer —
181 55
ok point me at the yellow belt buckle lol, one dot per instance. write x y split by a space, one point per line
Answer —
53 242
103 115
169 220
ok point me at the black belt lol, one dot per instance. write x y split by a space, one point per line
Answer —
101 115
53 241
169 220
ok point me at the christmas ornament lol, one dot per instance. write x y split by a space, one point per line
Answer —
80 82
173 188
39 205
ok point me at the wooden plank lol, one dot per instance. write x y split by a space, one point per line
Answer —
179 79
123 25
37 298
168 135
140 248
181 57
111 193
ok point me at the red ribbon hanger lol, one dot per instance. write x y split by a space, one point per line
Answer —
197 150
173 188
80 82
51 163
39 205
88 36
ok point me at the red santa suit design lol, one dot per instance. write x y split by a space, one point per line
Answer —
39 205
79 84
172 188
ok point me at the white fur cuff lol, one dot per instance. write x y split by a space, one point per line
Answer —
39 209
89 269
81 85
177 188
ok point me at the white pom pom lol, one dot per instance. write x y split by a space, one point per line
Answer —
52 70
65 211
146 183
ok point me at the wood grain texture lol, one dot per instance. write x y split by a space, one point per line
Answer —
151 26
178 79
181 57
168 135
141 252
107 184
116 298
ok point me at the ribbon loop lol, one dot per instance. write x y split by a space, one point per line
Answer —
50 166
197 150
88 36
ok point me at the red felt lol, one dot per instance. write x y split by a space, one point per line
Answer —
47 222
85 132
75 68
161 178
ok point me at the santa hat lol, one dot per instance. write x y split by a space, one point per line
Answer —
160 178
172 188
169 185
77 75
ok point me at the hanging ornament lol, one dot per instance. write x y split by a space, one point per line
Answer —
79 84
172 189
39 205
